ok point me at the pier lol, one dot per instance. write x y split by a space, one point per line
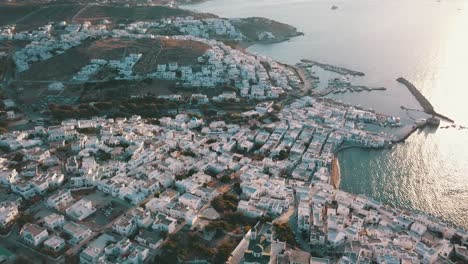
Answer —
350 88
332 68
425 104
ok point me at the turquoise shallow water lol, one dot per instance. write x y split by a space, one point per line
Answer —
421 40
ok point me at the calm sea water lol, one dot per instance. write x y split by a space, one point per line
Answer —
421 40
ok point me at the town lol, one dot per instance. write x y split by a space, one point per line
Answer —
217 64
112 190
184 187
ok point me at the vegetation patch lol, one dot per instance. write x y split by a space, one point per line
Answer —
132 13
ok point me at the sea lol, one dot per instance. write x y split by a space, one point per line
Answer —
425 41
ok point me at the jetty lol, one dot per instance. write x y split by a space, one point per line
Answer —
350 88
425 104
333 68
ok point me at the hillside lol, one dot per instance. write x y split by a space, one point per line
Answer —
122 14
155 51
253 27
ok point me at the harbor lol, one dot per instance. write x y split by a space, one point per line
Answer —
316 84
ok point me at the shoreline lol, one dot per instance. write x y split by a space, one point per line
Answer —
335 173
402 139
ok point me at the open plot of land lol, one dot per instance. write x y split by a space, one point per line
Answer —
119 90
107 207
189 245
181 51
8 46
51 13
155 51
10 13
140 13
3 62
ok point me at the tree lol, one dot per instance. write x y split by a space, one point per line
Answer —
24 219
225 202
237 188
284 233
456 239
225 178
163 234
223 253
283 155
166 257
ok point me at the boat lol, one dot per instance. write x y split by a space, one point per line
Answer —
344 79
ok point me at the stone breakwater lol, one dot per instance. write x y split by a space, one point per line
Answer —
333 68
425 104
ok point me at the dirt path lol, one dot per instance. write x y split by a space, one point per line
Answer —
284 218
80 11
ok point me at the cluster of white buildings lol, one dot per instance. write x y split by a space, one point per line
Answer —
123 67
43 236
8 213
255 77
207 28
111 249
204 28
367 231
44 45
175 162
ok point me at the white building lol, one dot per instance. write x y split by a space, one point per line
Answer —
125 226
81 209
54 244
60 200
54 221
8 213
77 232
191 201
33 234
164 223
